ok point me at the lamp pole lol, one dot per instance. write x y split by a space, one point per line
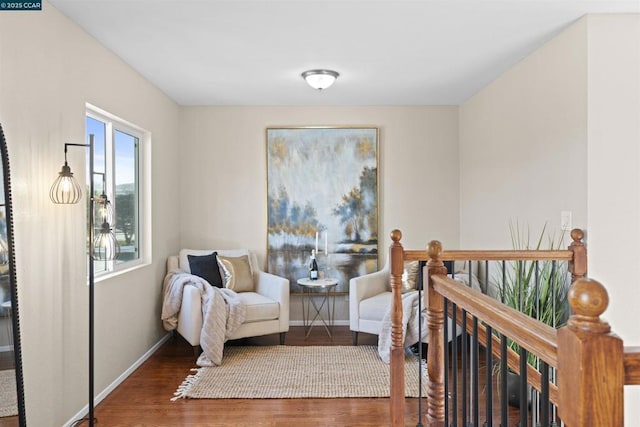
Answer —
66 190
91 275
91 283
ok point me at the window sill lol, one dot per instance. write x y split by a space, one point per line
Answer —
116 273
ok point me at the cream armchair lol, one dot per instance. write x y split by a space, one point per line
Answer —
267 305
370 298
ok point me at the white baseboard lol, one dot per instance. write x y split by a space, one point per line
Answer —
336 323
104 393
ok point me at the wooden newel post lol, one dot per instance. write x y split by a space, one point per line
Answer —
590 362
397 390
435 352
578 265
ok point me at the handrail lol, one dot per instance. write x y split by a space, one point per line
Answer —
576 255
536 337
492 255
632 365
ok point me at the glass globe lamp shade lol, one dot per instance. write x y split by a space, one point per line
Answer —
320 79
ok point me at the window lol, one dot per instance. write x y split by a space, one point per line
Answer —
117 173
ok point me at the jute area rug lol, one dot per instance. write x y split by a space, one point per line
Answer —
280 372
8 396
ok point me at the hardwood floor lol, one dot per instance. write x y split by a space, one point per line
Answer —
144 398
6 362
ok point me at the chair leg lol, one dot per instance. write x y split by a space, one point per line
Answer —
282 334
354 337
196 350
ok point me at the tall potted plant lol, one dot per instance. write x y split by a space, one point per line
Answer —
538 289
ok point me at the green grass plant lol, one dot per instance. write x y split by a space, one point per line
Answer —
535 288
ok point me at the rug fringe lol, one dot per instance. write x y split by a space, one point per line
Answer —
181 392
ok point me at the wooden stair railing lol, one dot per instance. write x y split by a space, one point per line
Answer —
575 255
632 366
538 338
592 365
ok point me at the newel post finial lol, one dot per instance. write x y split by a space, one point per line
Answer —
588 300
434 249
577 235
435 264
590 361
578 264
396 235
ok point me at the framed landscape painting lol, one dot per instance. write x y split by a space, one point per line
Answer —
322 195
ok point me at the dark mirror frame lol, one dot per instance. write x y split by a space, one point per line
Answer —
17 352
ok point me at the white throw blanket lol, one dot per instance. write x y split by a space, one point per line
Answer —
410 321
222 313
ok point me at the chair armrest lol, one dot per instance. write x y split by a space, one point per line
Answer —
364 287
190 317
276 288
172 263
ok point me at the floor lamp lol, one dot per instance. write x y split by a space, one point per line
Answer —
102 241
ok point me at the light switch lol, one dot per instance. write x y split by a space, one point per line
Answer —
565 220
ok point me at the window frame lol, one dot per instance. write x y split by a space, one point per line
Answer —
143 172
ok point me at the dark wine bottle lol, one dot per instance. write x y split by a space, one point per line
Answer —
313 266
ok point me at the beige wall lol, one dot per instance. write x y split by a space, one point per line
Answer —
614 174
523 145
563 126
49 69
227 165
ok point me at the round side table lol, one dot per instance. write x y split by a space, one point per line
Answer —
316 295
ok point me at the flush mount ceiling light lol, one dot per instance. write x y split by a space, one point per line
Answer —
320 79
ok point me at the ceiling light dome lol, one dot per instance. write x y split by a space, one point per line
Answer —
320 79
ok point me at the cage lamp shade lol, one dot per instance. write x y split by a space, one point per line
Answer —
65 189
103 209
105 244
320 79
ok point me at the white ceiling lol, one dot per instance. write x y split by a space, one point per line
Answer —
240 52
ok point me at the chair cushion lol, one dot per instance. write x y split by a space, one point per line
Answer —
375 307
259 307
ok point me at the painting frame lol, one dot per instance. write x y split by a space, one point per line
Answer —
322 196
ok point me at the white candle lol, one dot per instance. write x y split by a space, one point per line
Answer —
316 242
326 245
